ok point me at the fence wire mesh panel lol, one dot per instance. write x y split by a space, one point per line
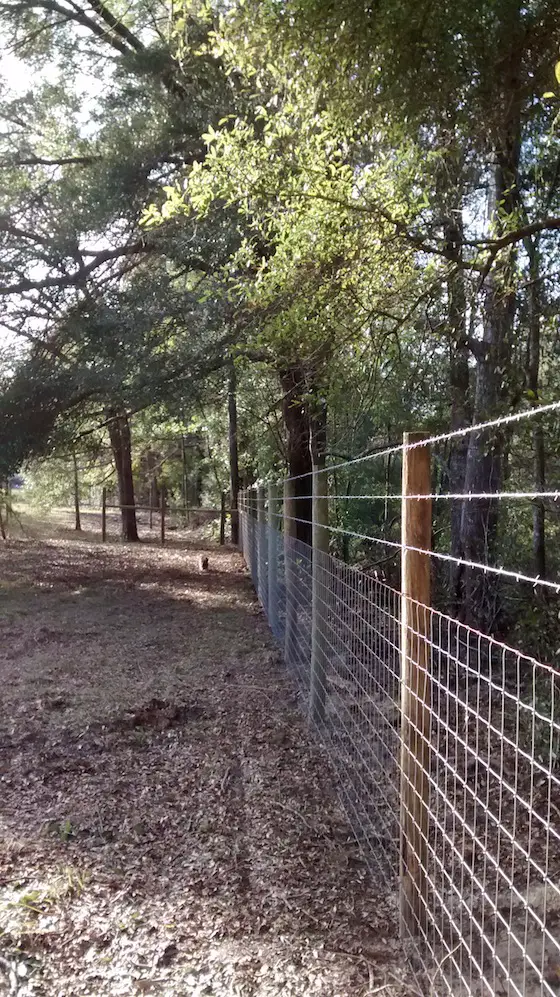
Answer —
486 854
492 855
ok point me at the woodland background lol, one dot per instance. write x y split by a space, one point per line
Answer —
239 237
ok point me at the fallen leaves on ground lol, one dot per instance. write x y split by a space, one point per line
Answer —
168 826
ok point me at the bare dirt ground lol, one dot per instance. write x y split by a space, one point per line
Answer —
167 825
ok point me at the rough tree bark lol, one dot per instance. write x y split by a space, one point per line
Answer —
532 381
484 470
296 421
459 397
479 519
318 434
119 435
233 452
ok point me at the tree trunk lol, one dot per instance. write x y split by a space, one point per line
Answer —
479 519
318 435
78 522
233 452
484 469
119 435
296 421
532 379
459 400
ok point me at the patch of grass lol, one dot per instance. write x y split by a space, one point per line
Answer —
38 898
63 829
132 923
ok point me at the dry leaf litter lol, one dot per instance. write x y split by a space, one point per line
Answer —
167 824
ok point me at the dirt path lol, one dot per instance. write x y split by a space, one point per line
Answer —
166 824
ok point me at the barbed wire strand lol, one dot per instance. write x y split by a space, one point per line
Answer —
480 427
435 496
517 576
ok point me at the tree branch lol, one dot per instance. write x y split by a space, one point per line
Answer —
111 30
518 235
6 164
74 14
20 233
71 279
117 26
139 248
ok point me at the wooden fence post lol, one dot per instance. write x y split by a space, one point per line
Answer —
319 575
415 686
162 512
104 515
273 554
223 520
290 534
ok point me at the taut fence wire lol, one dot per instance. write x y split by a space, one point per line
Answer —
444 741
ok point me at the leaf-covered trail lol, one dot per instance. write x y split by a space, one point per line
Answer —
167 826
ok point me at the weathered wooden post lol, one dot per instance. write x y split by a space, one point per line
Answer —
290 534
262 545
415 685
273 552
319 580
223 520
162 513
104 515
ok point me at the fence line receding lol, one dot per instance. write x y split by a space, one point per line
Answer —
444 741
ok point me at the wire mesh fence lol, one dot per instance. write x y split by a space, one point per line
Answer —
455 797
